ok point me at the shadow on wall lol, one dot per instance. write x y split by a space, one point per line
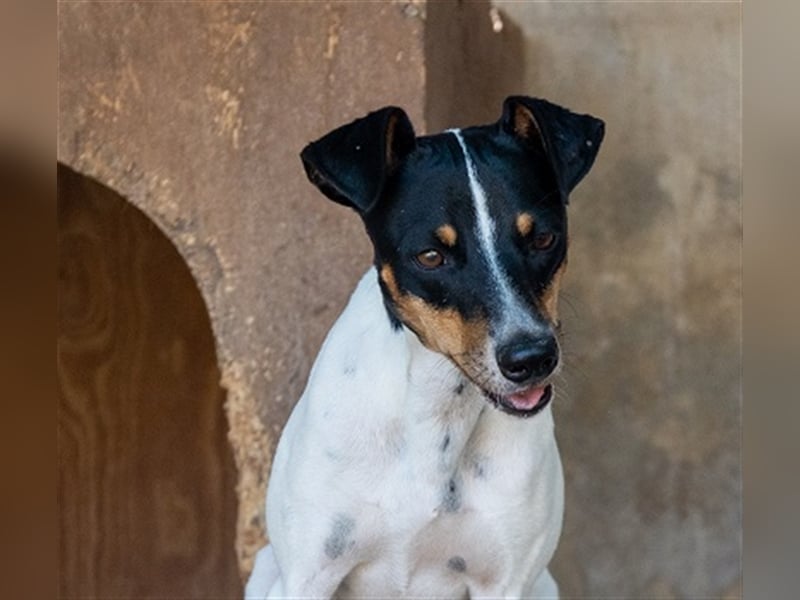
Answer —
146 476
475 59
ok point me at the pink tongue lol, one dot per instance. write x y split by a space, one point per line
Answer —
528 399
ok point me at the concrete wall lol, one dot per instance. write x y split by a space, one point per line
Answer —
195 112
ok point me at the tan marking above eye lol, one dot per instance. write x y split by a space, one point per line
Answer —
524 223
430 259
447 235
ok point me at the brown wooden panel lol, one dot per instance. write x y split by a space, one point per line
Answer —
146 476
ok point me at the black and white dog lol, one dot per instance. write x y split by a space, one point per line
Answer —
420 461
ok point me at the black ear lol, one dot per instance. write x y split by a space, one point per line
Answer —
569 140
351 163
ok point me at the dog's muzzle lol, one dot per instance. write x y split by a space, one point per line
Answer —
527 361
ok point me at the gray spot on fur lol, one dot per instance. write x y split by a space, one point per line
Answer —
451 501
350 370
339 539
480 466
459 388
457 564
445 442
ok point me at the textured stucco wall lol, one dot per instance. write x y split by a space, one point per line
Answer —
196 113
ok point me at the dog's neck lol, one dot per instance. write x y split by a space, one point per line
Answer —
429 393
436 387
443 409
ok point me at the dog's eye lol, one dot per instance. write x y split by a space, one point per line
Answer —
429 259
542 241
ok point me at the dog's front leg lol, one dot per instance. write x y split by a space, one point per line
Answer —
301 580
320 584
545 587
542 587
265 577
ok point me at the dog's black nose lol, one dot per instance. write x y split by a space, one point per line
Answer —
526 357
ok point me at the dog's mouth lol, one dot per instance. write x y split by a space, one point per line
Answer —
525 403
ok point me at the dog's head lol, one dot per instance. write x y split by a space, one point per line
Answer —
469 229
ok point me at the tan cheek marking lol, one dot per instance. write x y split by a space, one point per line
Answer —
387 275
441 330
524 223
447 234
550 297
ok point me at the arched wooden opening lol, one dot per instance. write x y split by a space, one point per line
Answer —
146 483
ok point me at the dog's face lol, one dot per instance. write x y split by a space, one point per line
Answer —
470 233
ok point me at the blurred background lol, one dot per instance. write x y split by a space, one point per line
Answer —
199 271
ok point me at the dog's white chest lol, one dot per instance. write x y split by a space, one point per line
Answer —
464 521
393 478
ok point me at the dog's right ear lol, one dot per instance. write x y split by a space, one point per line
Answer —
350 164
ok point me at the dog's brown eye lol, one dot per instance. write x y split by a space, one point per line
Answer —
430 259
543 241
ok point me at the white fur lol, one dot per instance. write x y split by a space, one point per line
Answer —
359 502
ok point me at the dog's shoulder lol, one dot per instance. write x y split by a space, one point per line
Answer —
363 352
355 387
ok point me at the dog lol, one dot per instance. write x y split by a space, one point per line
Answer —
420 460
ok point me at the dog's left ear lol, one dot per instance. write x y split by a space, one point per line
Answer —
350 164
570 141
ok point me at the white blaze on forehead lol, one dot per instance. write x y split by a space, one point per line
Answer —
486 236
